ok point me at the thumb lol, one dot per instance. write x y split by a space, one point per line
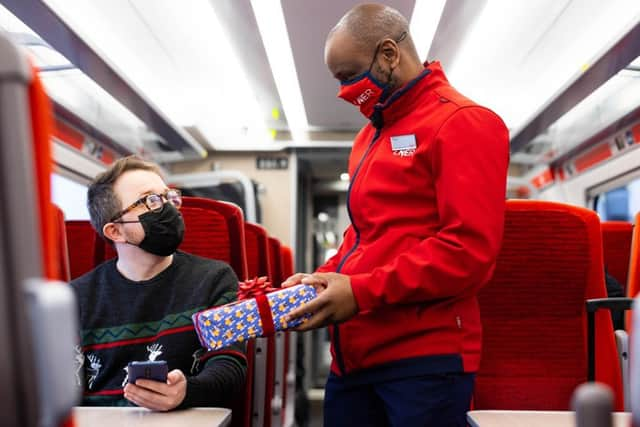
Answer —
175 376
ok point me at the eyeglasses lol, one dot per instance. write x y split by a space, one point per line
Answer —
153 202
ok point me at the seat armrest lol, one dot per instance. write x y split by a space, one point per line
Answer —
622 345
593 305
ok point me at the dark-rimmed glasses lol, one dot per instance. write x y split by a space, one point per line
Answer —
153 202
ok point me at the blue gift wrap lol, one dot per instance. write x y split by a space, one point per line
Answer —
239 321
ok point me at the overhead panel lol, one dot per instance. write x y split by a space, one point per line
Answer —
309 23
239 23
517 55
458 18
592 100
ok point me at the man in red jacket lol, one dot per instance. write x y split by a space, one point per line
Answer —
426 203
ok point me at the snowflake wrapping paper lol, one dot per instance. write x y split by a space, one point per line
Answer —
262 315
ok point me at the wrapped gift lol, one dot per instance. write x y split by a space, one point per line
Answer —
259 312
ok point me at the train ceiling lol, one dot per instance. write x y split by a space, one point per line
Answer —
249 74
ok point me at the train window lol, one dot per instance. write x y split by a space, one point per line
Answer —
619 204
70 196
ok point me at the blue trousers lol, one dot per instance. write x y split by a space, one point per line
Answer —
439 400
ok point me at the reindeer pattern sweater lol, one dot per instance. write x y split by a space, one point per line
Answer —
123 321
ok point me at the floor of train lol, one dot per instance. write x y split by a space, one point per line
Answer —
316 396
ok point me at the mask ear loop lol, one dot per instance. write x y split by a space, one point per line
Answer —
398 40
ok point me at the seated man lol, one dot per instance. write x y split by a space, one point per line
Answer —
138 306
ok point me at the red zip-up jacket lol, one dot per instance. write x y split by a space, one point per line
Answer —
426 227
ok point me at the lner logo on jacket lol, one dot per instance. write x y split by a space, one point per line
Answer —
426 203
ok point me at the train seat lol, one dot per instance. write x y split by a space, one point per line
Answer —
215 230
633 282
81 245
616 245
275 380
257 245
63 272
289 380
533 310
258 261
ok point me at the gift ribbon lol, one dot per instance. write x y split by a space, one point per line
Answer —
258 288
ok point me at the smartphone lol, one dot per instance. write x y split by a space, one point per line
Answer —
150 370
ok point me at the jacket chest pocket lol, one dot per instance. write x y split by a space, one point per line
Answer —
395 168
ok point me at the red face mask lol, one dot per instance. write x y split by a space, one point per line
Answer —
363 91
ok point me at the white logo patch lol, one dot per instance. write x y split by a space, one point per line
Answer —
403 145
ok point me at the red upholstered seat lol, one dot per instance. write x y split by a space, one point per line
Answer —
215 230
633 283
286 262
275 261
533 310
276 378
633 280
616 245
81 244
257 245
61 240
258 261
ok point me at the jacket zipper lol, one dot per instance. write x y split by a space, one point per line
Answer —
336 328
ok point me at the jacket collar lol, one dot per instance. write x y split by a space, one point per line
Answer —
404 100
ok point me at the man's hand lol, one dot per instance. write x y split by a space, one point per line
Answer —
296 279
157 395
335 301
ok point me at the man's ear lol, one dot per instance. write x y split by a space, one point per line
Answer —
391 53
112 232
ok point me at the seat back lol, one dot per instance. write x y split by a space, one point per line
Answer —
633 282
63 272
257 245
286 261
275 379
288 392
275 259
616 246
81 245
215 230
533 310
30 252
634 366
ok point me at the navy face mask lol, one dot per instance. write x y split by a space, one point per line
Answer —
163 230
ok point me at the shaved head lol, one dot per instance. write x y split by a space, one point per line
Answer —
369 23
372 37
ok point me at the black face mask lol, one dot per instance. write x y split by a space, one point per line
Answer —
163 230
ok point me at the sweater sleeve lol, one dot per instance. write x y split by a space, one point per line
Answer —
221 380
220 383
470 157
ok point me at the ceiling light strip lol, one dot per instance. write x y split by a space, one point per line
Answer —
424 23
273 30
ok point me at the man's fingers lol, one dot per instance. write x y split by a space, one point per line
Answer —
320 318
156 386
314 280
308 307
294 280
147 398
175 376
146 403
